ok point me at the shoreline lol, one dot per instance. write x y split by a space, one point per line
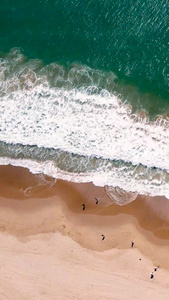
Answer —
47 168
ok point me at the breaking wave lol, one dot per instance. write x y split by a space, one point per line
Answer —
72 123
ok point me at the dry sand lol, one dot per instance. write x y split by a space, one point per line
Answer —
52 249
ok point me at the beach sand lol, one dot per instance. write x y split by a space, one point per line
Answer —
52 249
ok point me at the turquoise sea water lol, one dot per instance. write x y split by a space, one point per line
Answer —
77 79
130 39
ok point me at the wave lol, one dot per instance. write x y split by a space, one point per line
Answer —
78 111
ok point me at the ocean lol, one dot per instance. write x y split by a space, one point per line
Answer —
84 92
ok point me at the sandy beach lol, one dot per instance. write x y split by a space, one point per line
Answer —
52 249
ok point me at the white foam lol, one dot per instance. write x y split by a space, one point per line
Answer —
120 196
81 121
93 125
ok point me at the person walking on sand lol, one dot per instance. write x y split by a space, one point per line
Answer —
132 244
83 206
103 237
96 200
155 269
151 275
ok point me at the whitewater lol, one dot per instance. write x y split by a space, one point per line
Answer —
71 124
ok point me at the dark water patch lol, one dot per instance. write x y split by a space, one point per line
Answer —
70 162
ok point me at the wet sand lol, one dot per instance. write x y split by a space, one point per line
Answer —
52 249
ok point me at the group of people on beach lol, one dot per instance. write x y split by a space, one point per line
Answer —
151 274
132 243
155 268
84 206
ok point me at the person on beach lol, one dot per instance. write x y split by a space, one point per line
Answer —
103 237
83 206
96 200
155 269
132 244
151 275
